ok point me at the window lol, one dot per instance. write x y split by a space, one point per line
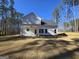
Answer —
41 31
27 29
55 31
45 30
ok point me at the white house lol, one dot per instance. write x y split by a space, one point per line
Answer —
34 26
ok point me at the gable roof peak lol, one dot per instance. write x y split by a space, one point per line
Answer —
32 13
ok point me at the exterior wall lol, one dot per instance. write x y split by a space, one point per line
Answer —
32 19
24 32
31 32
50 31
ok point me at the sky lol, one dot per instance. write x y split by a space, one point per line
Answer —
42 8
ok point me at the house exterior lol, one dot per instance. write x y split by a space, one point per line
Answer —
33 25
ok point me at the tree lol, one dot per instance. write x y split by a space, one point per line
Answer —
73 4
68 9
12 9
66 2
57 15
3 8
73 25
66 26
3 13
18 15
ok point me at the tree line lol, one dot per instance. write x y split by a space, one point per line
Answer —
67 6
10 18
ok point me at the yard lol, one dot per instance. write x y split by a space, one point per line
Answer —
42 48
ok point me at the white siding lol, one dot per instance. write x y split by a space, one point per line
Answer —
31 32
49 32
32 19
24 32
